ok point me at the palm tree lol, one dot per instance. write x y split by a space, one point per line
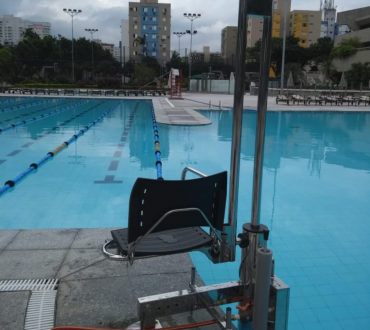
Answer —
327 68
142 41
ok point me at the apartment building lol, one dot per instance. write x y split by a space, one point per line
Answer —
151 20
255 24
305 25
228 44
205 56
12 28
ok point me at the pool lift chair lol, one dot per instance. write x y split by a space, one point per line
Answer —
169 217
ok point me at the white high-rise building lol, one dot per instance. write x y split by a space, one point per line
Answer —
12 28
125 41
329 14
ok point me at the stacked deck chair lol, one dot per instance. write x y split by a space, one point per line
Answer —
364 99
283 99
299 99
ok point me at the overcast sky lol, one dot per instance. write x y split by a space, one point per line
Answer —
106 16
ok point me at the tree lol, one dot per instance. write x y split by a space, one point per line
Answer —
346 48
143 74
359 73
294 53
320 51
295 69
327 68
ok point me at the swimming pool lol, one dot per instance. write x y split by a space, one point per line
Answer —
315 190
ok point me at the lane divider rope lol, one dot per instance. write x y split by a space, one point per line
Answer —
34 166
158 162
28 105
45 115
16 100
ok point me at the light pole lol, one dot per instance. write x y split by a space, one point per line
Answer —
179 34
92 31
72 13
192 18
283 55
60 47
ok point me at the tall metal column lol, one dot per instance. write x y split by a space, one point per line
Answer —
237 121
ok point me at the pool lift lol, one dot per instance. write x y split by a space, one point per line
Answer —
263 298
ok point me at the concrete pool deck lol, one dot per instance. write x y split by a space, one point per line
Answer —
93 291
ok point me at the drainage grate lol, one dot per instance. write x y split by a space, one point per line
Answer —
29 285
41 306
41 310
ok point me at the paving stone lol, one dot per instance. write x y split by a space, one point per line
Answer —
91 238
33 264
79 259
6 236
108 303
43 239
13 308
177 264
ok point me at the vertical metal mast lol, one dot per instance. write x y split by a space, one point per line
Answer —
237 122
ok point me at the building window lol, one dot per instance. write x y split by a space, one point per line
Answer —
304 24
305 16
154 10
164 19
154 53
164 37
144 27
154 36
165 28
135 27
145 18
164 11
164 54
303 41
145 9
303 33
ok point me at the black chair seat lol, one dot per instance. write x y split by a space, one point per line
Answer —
165 242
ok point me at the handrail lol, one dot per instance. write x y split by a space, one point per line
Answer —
155 80
189 169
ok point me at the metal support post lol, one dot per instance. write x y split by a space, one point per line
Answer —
237 124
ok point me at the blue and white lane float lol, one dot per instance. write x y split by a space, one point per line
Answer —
158 162
34 166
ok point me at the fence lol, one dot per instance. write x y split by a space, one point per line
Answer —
212 86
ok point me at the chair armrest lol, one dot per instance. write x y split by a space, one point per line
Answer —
189 169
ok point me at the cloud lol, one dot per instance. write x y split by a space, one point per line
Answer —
106 16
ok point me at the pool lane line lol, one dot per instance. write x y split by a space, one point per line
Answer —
109 178
158 163
27 105
34 166
16 99
31 113
48 132
43 116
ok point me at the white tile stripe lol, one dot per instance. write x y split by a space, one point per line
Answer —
169 103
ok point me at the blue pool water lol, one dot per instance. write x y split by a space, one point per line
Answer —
316 189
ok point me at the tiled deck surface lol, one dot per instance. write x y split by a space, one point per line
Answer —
93 291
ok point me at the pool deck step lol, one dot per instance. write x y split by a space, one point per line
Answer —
92 290
167 112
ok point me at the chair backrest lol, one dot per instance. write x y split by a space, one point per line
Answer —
151 199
